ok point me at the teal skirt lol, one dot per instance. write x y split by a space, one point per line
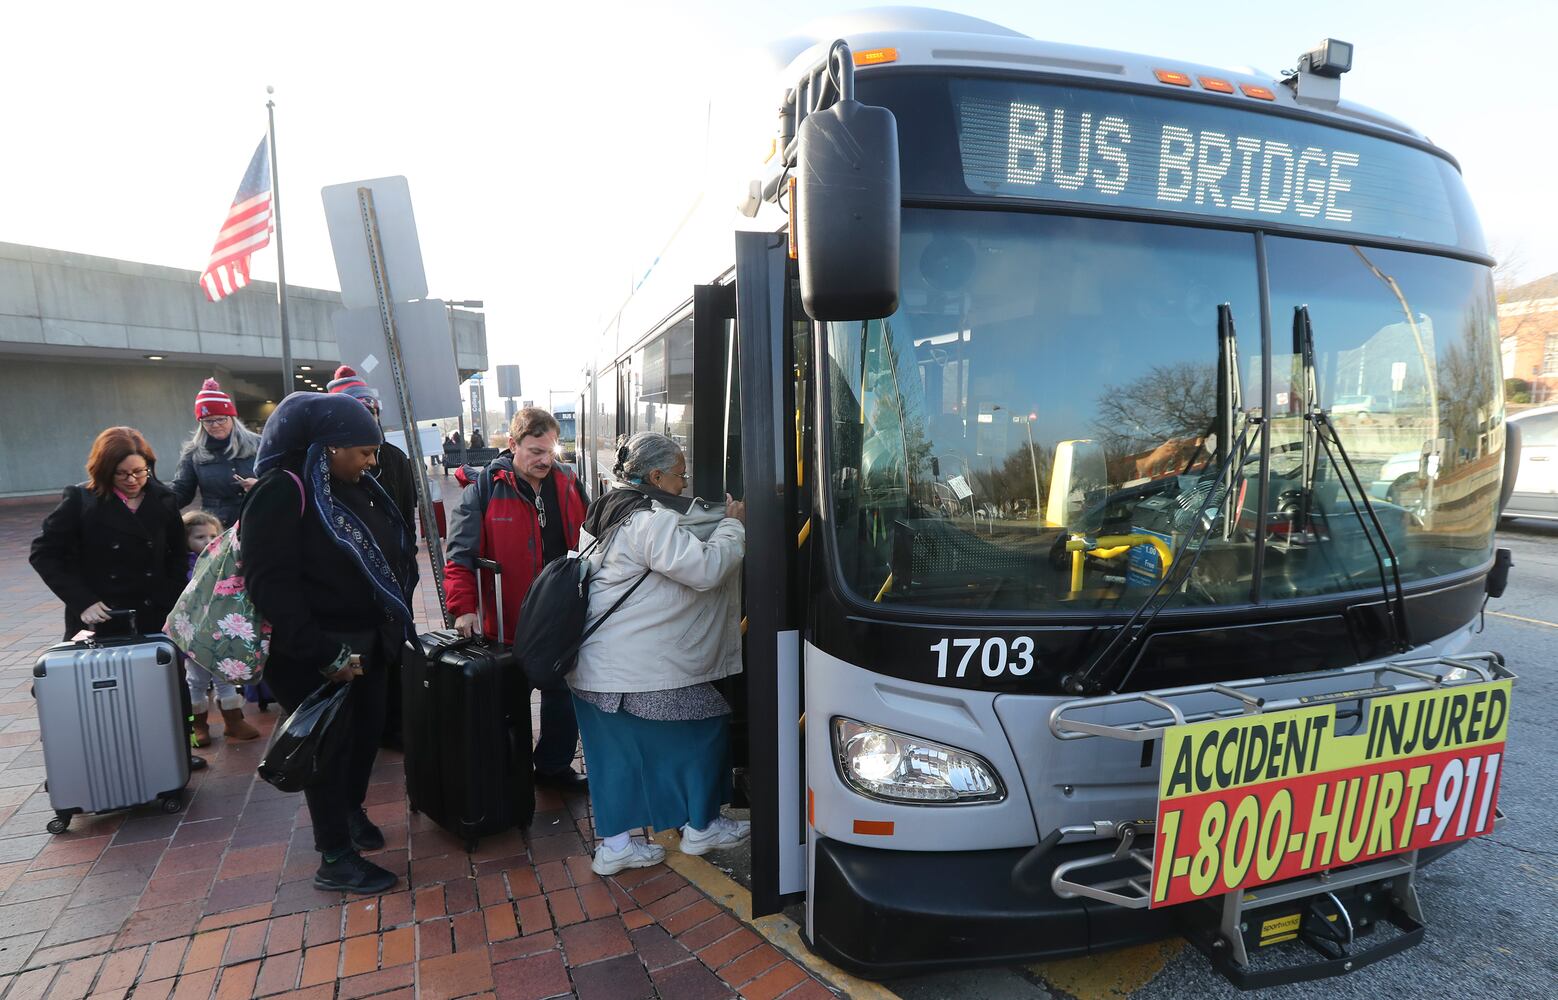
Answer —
656 774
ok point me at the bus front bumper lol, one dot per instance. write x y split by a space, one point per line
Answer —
878 914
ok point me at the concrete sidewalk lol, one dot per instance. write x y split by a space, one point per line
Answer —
217 900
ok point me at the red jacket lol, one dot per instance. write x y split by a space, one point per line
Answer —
496 519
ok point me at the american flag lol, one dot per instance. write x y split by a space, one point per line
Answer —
246 229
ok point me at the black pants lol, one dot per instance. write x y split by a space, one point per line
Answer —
333 801
559 730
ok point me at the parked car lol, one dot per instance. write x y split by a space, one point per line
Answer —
1536 481
1354 404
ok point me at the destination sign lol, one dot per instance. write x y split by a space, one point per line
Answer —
1262 798
1108 148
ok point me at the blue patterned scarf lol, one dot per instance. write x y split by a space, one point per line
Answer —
302 429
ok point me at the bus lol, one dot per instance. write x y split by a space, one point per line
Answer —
1074 616
568 431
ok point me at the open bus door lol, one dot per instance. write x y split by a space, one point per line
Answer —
742 378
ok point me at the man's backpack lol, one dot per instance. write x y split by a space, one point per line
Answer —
552 619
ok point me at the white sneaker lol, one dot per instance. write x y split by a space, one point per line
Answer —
722 833
637 854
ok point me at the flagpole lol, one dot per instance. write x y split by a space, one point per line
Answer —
287 379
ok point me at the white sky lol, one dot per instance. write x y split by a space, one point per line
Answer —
550 152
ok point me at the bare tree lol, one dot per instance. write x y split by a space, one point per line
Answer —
1169 402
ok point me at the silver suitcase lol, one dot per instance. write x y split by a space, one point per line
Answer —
110 716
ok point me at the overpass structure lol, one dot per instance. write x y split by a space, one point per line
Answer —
90 342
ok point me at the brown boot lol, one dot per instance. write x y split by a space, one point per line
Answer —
203 729
237 727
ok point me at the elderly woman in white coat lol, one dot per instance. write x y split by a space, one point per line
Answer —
655 730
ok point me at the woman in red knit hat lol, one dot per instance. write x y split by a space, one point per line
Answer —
218 461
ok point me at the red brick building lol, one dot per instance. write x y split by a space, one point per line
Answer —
1528 337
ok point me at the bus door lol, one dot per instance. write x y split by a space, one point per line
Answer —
764 369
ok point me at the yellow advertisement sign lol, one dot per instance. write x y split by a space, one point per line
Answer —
1261 798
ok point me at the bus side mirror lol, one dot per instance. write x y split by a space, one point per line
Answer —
847 212
1511 463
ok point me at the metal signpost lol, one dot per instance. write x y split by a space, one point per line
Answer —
381 285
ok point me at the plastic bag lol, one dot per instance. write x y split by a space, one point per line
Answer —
302 745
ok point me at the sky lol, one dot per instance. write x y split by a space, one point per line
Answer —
551 151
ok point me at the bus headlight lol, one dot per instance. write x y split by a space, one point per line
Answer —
882 764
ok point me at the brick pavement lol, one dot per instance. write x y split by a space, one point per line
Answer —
217 900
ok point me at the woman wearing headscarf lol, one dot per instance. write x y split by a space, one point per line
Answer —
218 459
655 729
330 569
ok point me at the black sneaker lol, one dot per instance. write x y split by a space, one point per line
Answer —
365 836
351 872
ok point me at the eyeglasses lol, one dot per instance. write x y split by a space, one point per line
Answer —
131 475
684 476
215 421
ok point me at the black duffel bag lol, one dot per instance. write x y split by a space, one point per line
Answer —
553 616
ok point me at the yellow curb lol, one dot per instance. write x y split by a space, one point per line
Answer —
779 930
1112 976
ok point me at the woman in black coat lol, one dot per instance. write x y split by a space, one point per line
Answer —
330 569
219 459
115 542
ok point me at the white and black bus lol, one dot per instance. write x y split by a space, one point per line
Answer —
1122 442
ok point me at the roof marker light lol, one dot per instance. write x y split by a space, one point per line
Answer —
875 57
1172 76
1212 83
1259 93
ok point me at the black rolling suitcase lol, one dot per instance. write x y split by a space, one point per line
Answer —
466 726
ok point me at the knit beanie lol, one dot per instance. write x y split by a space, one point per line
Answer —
347 380
211 401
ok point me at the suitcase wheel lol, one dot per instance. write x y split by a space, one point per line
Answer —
172 804
59 824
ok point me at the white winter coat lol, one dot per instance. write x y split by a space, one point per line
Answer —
682 626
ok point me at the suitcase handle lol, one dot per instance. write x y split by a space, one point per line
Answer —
491 565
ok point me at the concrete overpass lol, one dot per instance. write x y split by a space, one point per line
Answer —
89 342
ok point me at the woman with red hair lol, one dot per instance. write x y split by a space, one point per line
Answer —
115 541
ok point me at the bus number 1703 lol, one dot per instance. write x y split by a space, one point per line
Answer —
995 656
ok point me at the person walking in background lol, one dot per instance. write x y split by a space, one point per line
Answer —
394 473
478 442
218 459
523 511
331 569
116 542
655 729
201 529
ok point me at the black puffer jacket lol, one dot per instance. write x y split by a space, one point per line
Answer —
93 549
220 493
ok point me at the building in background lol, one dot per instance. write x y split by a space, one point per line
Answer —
1528 340
91 342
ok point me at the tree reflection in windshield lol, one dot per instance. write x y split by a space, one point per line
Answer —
1036 428
1048 384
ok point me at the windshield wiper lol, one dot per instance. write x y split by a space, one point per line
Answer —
1319 428
1221 498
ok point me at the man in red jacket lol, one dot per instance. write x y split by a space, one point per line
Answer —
522 511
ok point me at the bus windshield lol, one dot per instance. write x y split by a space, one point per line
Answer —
1037 427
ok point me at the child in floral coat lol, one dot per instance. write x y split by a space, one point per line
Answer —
202 530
